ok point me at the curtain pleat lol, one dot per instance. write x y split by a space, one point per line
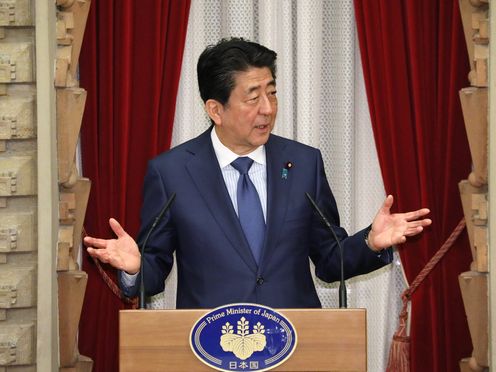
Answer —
415 62
130 65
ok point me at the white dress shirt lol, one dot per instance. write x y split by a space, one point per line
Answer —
257 172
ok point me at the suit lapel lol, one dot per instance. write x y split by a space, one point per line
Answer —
278 188
207 176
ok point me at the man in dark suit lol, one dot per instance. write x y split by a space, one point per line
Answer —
245 235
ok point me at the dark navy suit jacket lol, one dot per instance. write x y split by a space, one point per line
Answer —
215 264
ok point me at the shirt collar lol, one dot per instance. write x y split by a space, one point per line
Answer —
225 156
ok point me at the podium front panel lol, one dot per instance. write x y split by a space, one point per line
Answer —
158 340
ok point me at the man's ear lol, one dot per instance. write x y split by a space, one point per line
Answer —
214 110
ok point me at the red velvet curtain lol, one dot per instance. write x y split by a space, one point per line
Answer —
130 65
415 62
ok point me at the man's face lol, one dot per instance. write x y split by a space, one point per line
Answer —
248 117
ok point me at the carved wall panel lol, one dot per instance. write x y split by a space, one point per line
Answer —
17 344
476 25
481 249
16 118
18 187
474 107
17 287
66 250
474 292
474 202
71 22
70 108
73 19
16 62
72 285
478 77
17 232
17 176
16 13
73 202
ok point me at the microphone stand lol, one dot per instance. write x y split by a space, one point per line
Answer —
342 285
143 247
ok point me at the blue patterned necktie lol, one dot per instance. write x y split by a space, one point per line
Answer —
249 208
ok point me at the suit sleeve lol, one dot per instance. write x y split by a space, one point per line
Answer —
324 251
158 256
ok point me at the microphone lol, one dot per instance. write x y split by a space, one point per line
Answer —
342 286
143 247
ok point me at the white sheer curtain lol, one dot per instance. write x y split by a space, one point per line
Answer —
322 103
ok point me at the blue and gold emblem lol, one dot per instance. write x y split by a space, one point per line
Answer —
243 337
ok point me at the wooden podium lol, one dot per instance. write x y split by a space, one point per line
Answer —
158 340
